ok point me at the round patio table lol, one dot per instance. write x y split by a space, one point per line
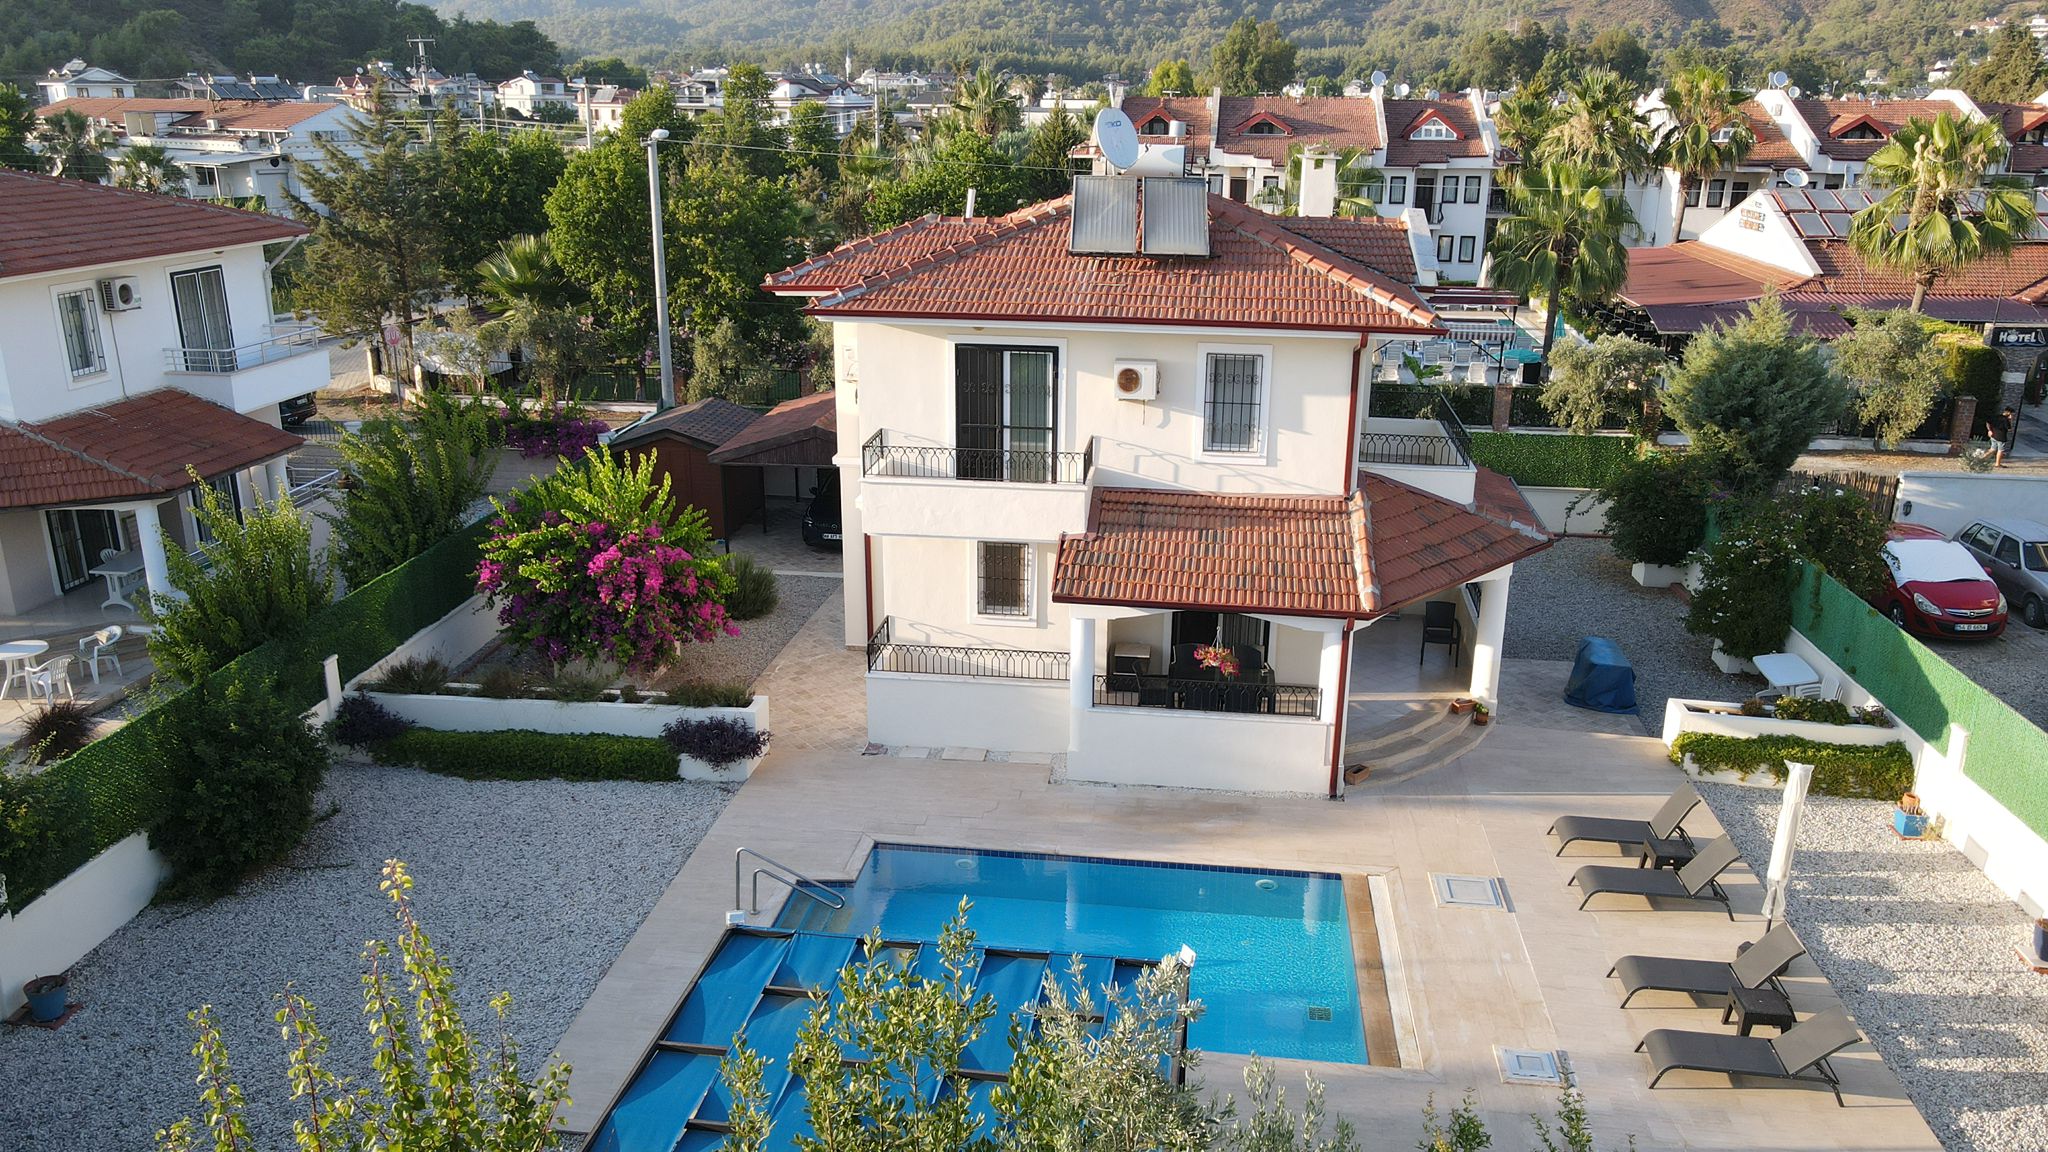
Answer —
15 655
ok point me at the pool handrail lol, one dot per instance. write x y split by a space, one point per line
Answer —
798 882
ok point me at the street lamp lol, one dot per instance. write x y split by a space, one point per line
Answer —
668 380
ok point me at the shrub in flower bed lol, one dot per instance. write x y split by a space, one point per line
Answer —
709 694
360 722
519 754
1859 772
555 432
720 741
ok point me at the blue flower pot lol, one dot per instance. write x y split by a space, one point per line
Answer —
2041 940
1911 825
47 997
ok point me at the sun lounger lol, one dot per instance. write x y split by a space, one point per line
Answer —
1665 825
1699 880
1800 1054
1758 964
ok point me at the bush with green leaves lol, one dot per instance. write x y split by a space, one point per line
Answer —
1977 371
45 832
504 682
1546 460
1857 771
518 754
753 592
415 676
56 730
255 579
1814 710
710 694
361 722
1657 507
1895 368
1752 394
1590 382
411 482
576 684
433 1083
1837 530
1744 599
242 767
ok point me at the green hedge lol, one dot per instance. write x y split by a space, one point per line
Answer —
518 754
113 787
1559 461
1860 772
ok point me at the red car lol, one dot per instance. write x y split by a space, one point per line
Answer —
1935 587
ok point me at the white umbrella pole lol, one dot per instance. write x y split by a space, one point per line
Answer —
1779 877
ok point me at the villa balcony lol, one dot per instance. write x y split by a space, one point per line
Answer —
1251 696
253 376
937 490
888 654
1427 453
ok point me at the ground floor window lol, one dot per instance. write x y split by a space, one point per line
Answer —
80 539
230 495
1468 247
1003 583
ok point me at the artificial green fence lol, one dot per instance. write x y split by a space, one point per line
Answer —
1537 460
2006 755
113 787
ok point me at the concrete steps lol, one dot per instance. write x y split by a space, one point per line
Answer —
1424 740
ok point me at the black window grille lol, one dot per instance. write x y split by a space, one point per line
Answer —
1232 410
1005 580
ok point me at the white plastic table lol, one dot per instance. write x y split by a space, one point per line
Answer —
15 655
116 570
1785 671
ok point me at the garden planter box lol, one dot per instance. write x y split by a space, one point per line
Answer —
1732 665
485 714
1723 718
1657 575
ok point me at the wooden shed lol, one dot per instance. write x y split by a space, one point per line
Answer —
681 440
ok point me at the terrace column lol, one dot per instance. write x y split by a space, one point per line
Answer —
275 478
1081 663
1486 647
156 570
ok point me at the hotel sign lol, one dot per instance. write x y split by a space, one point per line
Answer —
2003 337
1752 219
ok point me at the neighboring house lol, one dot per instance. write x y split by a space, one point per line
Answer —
1071 450
241 151
601 107
139 341
79 80
235 88
701 90
527 94
843 103
1655 201
1439 161
681 441
362 90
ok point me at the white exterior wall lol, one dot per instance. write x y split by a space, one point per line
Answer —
1949 502
968 712
1454 220
1225 750
59 927
928 588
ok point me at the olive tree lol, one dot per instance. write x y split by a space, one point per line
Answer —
1895 368
1612 375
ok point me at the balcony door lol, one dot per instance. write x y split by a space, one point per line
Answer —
78 538
1003 408
204 332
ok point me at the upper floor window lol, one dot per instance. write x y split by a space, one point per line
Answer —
1473 188
78 314
1433 130
1234 402
1156 126
1265 128
1003 406
1717 193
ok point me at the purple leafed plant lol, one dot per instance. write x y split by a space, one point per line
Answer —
716 740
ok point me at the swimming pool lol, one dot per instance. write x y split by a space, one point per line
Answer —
1274 966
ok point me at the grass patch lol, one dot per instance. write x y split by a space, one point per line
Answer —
518 754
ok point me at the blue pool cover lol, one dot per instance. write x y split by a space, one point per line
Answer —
1602 678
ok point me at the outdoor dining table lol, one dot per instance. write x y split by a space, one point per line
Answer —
116 570
1785 671
15 655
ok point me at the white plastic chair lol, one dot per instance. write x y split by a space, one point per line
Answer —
101 645
1823 689
43 679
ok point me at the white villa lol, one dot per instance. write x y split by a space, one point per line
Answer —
238 150
140 341
79 80
527 93
1078 441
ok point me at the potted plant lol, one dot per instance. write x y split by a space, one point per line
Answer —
48 996
1461 706
1907 819
1481 715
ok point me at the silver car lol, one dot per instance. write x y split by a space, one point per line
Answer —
2015 554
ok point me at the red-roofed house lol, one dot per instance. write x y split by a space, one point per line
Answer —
234 150
1076 442
139 340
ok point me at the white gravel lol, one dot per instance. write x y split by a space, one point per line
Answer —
1921 947
528 887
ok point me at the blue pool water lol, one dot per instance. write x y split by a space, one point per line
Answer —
1274 969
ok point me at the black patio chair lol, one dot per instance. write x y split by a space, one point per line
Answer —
1698 880
1800 1054
1440 626
1754 965
1664 825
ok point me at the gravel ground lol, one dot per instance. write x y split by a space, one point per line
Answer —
1920 946
1579 588
526 887
746 656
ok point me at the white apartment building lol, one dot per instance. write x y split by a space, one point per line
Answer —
243 151
79 80
528 93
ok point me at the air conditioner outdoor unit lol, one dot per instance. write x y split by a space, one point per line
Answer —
120 293
1136 379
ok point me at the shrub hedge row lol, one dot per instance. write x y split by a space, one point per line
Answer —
114 788
518 754
1552 461
1859 772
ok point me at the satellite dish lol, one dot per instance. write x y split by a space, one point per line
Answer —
1401 91
1793 91
1117 137
1798 178
1778 79
1379 79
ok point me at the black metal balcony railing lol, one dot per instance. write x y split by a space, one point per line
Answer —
1128 690
886 654
1404 448
1003 465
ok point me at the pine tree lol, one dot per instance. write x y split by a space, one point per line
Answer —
2013 72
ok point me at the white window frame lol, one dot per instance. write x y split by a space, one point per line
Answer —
1026 619
80 376
1432 129
1263 453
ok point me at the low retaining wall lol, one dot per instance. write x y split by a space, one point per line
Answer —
1172 748
59 927
1693 716
486 714
452 639
999 715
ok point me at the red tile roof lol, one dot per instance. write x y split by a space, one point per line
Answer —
1693 273
1830 118
855 260
1258 275
113 108
258 115
1378 242
800 431
1332 121
1357 556
2023 275
134 448
1190 110
1404 116
47 225
1771 147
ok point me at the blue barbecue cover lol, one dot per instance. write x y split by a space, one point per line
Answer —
1602 678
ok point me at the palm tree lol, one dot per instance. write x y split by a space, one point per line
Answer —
1524 118
522 273
986 104
74 147
1563 240
1707 131
148 168
1598 127
1941 214
542 318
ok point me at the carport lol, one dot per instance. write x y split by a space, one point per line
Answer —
790 447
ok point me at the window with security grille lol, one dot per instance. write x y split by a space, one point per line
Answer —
1231 409
78 314
1004 579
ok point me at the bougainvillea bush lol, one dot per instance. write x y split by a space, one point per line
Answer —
595 562
554 432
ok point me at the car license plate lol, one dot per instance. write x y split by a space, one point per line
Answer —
1973 627
835 536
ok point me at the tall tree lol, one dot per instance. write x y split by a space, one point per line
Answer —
1598 126
1048 163
609 70
2012 72
1563 240
1524 119
813 145
148 168
985 103
1252 58
1894 368
742 124
964 160
1953 215
1618 50
497 188
1171 78
1752 394
17 125
74 148
1705 132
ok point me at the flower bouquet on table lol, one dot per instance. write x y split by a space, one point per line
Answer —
1218 657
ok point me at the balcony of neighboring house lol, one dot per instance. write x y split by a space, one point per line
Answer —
1414 434
254 376
1009 486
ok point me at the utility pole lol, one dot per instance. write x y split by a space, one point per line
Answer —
668 380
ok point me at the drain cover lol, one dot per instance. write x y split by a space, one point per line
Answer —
1319 1013
1466 891
1530 1066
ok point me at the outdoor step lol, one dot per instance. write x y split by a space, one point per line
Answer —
1455 742
1420 744
1402 731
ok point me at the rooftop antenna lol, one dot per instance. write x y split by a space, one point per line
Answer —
1116 137
1401 91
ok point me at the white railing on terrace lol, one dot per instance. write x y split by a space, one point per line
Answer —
221 361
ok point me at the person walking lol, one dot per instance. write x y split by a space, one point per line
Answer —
1999 429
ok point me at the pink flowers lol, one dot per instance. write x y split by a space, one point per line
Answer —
1216 656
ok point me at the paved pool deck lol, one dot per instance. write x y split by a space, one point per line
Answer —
1465 980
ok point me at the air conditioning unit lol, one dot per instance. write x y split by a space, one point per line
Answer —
1136 379
120 293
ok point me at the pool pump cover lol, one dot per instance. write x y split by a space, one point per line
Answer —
1602 678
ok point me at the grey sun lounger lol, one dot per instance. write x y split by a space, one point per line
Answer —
1800 1054
1760 963
1664 825
1699 880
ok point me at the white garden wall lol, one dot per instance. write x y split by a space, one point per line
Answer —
1949 501
453 639
1555 507
59 927
1687 716
1181 749
1000 715
484 714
